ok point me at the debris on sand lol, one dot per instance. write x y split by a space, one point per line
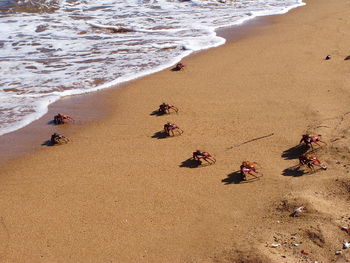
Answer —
275 245
297 211
346 245
112 29
119 30
346 229
251 140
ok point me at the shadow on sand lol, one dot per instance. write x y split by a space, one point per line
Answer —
160 135
294 171
191 163
52 122
157 113
237 178
176 69
295 152
233 178
47 143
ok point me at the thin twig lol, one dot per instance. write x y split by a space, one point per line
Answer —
258 138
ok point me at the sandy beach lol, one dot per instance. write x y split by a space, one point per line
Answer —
119 192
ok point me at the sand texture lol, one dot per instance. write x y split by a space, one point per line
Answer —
120 192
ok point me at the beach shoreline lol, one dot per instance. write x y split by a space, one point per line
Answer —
29 139
121 192
28 100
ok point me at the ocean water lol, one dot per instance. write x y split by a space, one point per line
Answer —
50 49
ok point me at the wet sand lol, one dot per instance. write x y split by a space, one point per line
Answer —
121 193
85 108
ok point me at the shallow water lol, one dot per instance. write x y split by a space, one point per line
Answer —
50 49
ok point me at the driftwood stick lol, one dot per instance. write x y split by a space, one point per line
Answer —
258 138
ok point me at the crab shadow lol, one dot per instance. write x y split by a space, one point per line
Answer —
160 135
237 178
157 113
192 163
51 122
176 69
47 143
295 152
233 178
294 171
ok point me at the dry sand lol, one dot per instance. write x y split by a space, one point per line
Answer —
117 193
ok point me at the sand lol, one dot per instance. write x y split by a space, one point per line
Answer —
120 193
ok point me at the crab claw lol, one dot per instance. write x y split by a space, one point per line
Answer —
346 229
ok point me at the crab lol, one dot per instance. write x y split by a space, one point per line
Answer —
310 139
165 108
171 128
62 118
248 167
58 139
201 155
310 160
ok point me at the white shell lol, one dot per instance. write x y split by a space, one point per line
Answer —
275 245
